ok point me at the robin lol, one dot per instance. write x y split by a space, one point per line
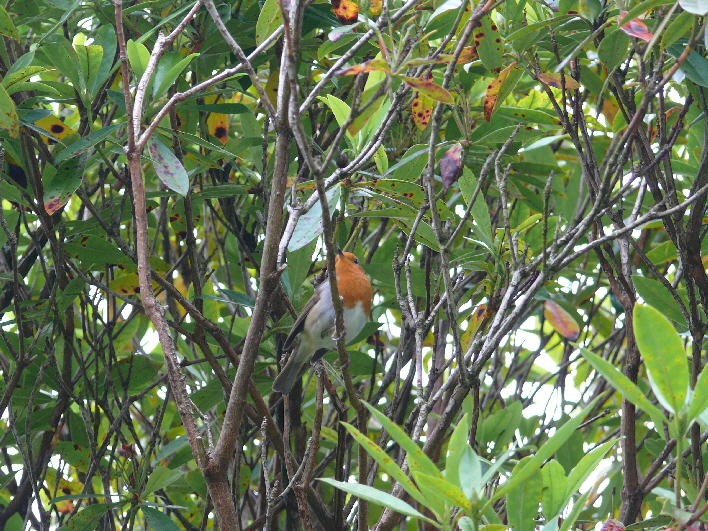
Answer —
316 325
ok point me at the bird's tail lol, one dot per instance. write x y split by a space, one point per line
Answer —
291 372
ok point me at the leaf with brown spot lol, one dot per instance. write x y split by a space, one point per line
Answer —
167 166
635 28
451 166
422 110
489 44
561 321
554 80
491 98
54 126
468 55
375 7
60 186
375 64
430 89
218 125
271 87
346 11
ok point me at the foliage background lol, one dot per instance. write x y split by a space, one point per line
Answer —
514 176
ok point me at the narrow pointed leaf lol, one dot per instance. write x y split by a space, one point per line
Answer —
378 497
418 461
388 464
624 385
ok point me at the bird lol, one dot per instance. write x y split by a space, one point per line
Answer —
315 324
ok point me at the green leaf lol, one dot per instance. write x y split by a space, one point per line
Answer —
456 447
63 56
158 520
378 497
482 224
269 20
699 400
8 115
167 166
138 56
7 27
695 66
469 473
165 79
578 506
544 452
624 385
87 519
489 43
523 501
417 460
587 465
613 48
555 487
677 29
385 461
60 184
20 75
86 143
106 38
657 295
440 487
160 478
664 356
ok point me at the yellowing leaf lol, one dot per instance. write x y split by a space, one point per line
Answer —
554 80
375 64
429 88
468 55
346 11
491 98
218 125
561 321
422 109
55 126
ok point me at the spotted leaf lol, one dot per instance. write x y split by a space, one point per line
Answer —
54 126
218 125
168 167
491 98
60 185
422 109
8 115
488 44
346 11
468 55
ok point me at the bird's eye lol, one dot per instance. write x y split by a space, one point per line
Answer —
356 260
